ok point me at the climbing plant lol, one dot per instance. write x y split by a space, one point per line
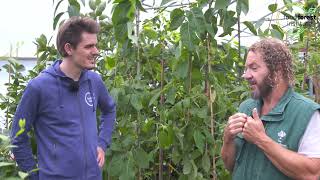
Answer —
176 77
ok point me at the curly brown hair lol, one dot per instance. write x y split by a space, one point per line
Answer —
277 57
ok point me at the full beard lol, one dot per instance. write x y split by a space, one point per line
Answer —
263 89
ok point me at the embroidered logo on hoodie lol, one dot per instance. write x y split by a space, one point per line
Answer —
88 98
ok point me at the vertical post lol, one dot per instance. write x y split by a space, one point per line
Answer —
139 77
305 62
210 104
162 103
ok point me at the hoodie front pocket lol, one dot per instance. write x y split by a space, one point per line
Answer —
68 162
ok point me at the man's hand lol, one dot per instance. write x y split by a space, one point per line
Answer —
234 126
253 130
100 158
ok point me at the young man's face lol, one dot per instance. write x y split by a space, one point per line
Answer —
85 54
257 74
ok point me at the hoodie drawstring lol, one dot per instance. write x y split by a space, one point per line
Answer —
92 96
59 91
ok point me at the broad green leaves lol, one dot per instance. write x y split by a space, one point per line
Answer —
221 4
177 17
199 139
101 7
22 125
142 158
273 7
123 13
277 31
193 29
251 27
164 2
186 44
242 5
73 8
227 21
165 137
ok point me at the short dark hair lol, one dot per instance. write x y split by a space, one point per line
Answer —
277 57
71 31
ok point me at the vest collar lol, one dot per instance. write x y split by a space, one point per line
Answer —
276 114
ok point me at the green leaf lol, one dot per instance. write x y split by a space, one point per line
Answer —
206 162
188 37
136 102
101 8
92 5
22 123
56 20
273 7
139 6
181 68
147 126
57 6
155 98
164 2
98 2
243 5
197 20
228 21
150 33
75 4
120 13
199 139
165 138
121 32
2 164
19 132
186 102
176 18
251 27
171 95
73 11
110 62
187 166
288 4
141 158
203 113
22 175
221 4
276 34
277 28
195 169
116 166
156 51
259 23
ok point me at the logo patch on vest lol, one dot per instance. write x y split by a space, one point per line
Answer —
281 137
88 98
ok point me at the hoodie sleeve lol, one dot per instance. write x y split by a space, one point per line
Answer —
26 111
107 107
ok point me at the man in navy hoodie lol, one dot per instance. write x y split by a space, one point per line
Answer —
60 105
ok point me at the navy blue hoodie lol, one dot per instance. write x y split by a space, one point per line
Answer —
65 125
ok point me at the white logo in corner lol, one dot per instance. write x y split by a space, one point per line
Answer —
281 136
88 98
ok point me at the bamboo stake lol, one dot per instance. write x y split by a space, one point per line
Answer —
162 103
138 76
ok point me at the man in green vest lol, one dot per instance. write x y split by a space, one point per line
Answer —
275 134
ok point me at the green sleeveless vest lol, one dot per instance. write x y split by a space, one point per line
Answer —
285 124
